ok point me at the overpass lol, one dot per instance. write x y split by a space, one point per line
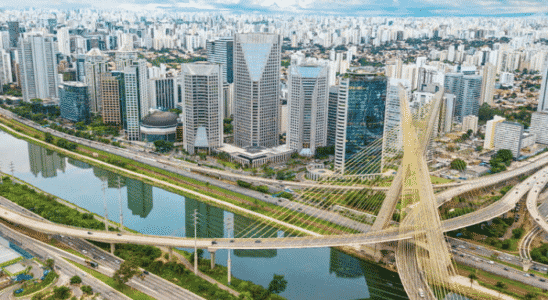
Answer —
313 240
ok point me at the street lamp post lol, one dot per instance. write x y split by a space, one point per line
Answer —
229 261
195 241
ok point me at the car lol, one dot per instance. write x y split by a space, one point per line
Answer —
89 232
231 241
491 262
145 272
531 274
214 243
542 280
462 246
117 262
119 234
526 275
84 251
299 209
257 241
505 269
102 257
421 293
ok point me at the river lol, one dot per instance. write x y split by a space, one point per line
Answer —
312 274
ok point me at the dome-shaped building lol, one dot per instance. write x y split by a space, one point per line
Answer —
159 125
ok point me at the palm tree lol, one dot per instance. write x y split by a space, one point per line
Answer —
472 277
501 286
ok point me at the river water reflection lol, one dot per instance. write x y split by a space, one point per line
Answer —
312 274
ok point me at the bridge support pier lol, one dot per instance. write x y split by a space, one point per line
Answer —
212 253
112 248
229 266
373 251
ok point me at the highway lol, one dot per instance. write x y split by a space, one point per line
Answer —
151 284
392 234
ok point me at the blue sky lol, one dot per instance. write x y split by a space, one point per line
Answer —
416 8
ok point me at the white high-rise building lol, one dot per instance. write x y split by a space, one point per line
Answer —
134 95
392 141
543 95
307 102
5 67
96 64
63 40
539 124
489 141
257 59
470 122
203 106
508 136
38 67
488 84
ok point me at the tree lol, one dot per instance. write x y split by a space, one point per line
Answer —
87 289
48 138
472 277
163 146
277 285
61 292
505 155
530 296
200 254
50 263
127 270
75 279
458 164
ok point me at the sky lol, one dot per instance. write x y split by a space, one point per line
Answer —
396 8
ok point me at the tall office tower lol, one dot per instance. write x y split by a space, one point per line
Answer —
332 104
257 89
110 98
203 106
13 29
543 94
4 40
5 67
360 116
446 113
392 137
467 89
307 103
488 84
38 67
63 40
489 141
163 93
539 123
220 51
95 65
470 95
133 96
74 101
80 68
508 135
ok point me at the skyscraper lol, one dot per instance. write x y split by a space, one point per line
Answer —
13 29
360 115
110 96
332 104
74 101
163 92
508 135
467 89
392 142
133 97
95 65
307 102
256 89
543 94
203 106
38 67
488 84
220 51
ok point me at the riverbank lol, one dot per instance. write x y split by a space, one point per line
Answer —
187 187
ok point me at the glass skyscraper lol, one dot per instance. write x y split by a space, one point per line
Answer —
360 115
74 101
